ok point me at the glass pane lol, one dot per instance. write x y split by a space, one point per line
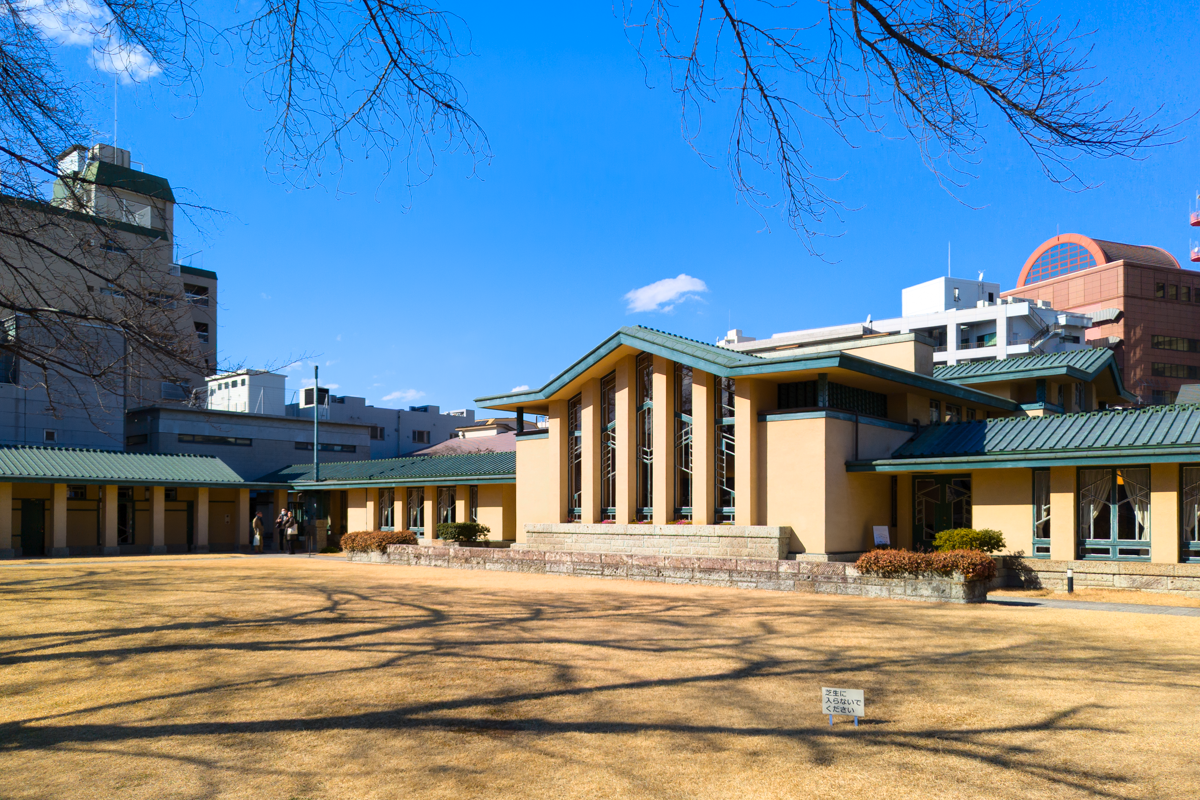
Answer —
574 459
416 509
1095 490
645 436
1041 504
928 497
608 446
958 495
1189 521
1133 504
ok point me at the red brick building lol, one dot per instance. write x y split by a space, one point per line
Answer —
1156 337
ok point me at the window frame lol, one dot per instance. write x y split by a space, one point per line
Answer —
1113 543
1039 520
1189 550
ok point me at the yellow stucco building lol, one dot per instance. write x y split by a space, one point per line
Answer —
821 447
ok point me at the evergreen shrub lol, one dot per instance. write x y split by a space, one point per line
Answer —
985 540
462 532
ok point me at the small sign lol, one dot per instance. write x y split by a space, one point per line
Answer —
882 535
849 702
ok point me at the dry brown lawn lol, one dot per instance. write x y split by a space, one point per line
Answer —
315 679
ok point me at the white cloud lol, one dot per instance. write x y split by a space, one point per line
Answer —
331 362
405 395
521 388
265 296
338 338
664 295
81 23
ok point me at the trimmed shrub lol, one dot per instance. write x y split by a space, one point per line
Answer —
985 540
462 532
366 541
331 548
971 564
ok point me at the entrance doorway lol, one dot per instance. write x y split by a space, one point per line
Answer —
126 513
940 503
33 528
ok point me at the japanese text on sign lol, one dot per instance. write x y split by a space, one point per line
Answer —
843 701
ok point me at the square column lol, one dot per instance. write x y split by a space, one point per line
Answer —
372 509
6 519
200 512
663 415
462 503
58 521
400 508
430 516
703 422
1063 536
243 520
158 519
627 450
590 451
556 422
745 445
1164 513
109 508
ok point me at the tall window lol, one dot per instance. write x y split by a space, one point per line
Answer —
445 504
473 508
574 459
1114 513
683 442
940 503
1189 519
387 507
608 447
1041 513
644 378
723 442
935 412
416 509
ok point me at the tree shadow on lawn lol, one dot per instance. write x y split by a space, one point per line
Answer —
787 640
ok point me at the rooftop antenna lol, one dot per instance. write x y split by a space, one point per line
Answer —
116 83
947 259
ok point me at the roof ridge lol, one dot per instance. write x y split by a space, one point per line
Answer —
695 341
57 449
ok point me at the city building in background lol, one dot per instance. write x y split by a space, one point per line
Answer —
1155 335
394 431
114 220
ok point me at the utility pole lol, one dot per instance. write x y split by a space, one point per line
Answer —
316 423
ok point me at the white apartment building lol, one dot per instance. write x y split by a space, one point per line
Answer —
249 391
966 319
394 431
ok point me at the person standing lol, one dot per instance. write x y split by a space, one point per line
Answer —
259 532
280 529
292 528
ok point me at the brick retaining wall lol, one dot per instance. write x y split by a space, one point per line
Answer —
713 541
743 573
1041 573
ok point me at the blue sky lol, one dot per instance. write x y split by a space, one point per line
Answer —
475 284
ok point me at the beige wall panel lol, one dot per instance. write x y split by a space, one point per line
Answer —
911 356
1062 514
794 480
749 396
540 494
703 386
356 510
176 519
1164 513
222 518
855 502
81 524
1002 499
495 510
590 447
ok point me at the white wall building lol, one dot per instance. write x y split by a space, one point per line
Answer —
967 321
394 431
249 391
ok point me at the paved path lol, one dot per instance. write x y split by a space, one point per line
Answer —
1087 605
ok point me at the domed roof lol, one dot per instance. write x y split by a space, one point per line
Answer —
1073 252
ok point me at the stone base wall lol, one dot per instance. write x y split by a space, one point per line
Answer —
742 573
711 541
1040 573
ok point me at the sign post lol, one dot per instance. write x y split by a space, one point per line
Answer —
849 702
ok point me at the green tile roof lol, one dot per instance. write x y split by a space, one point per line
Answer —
1083 364
727 363
1151 433
70 465
415 470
